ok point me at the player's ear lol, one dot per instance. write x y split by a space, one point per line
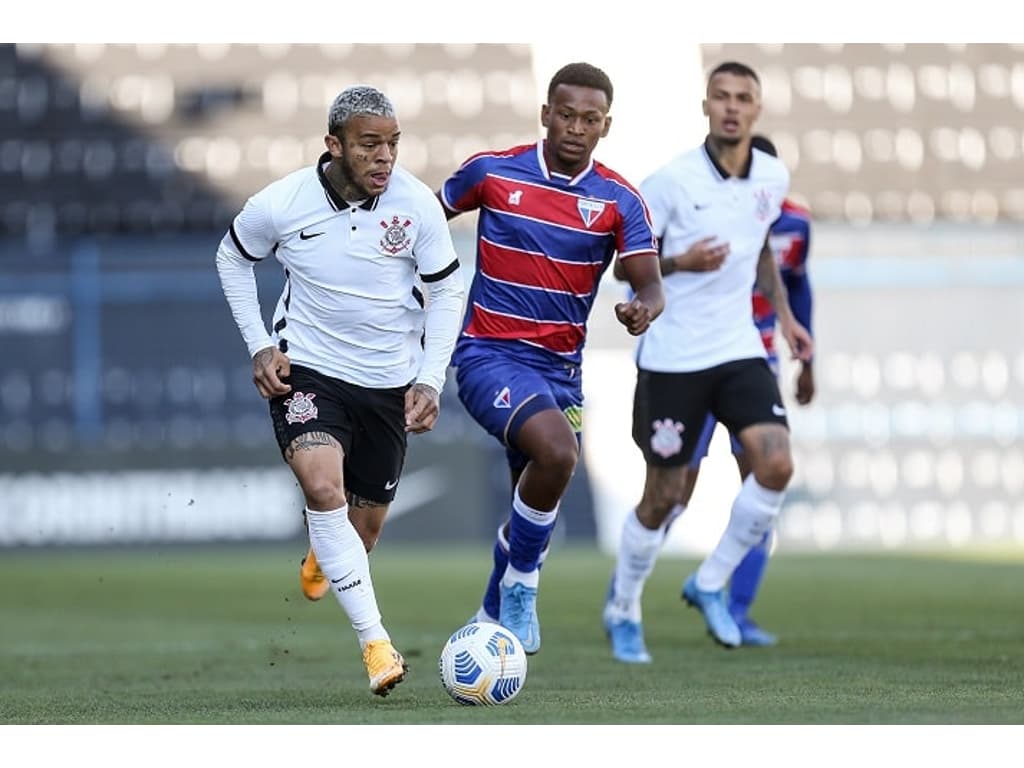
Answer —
704 106
333 144
545 115
607 125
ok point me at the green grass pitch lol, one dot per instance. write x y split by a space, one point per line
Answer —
205 635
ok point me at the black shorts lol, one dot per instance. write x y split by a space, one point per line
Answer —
369 424
669 409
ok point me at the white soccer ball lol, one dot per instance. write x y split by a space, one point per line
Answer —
483 664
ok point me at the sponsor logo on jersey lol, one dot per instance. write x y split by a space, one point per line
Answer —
589 210
300 408
503 399
665 437
396 237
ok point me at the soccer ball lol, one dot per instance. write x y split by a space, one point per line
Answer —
483 664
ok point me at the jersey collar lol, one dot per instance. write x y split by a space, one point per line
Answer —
722 173
549 174
337 201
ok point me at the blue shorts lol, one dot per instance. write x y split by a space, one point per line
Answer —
501 393
700 451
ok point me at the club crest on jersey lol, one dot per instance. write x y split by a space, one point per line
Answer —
665 437
300 408
396 238
504 399
589 210
764 203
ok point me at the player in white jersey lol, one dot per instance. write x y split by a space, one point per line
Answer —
705 355
357 356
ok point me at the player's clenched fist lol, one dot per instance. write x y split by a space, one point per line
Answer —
635 315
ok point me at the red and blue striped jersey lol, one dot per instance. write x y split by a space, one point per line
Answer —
543 242
790 241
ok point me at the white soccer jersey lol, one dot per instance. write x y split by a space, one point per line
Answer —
707 319
350 307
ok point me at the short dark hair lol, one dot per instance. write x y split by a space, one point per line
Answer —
581 73
734 68
759 141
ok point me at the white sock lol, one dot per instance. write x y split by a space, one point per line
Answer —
638 551
342 557
754 511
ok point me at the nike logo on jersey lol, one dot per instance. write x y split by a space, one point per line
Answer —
778 410
699 207
304 236
388 486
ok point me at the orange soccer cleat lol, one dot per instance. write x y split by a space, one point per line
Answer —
384 665
314 583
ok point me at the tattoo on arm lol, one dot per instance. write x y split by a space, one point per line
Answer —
307 442
768 281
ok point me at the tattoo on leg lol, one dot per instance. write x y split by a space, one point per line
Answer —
307 442
359 502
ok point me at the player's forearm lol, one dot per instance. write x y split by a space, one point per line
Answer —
444 318
652 295
769 283
798 287
238 281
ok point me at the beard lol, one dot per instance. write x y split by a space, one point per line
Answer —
349 187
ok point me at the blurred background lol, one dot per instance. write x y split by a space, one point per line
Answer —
127 412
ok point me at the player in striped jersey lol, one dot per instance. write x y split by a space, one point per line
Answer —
790 241
551 221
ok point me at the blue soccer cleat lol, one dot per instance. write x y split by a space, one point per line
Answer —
625 636
627 639
751 634
519 615
721 626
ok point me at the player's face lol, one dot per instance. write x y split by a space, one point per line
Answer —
732 106
576 119
365 155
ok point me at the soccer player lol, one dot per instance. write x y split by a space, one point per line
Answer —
355 362
705 355
790 239
551 221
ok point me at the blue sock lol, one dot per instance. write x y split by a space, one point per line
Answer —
492 595
529 530
747 578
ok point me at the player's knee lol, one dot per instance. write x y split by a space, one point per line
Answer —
323 493
776 471
559 458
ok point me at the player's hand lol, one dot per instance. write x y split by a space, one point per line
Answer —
635 315
805 384
422 407
269 366
703 256
800 342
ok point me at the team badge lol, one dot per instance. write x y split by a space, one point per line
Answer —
504 399
396 238
763 203
589 210
666 440
300 408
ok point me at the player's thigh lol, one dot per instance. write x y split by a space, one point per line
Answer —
669 415
748 402
314 433
502 395
373 465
